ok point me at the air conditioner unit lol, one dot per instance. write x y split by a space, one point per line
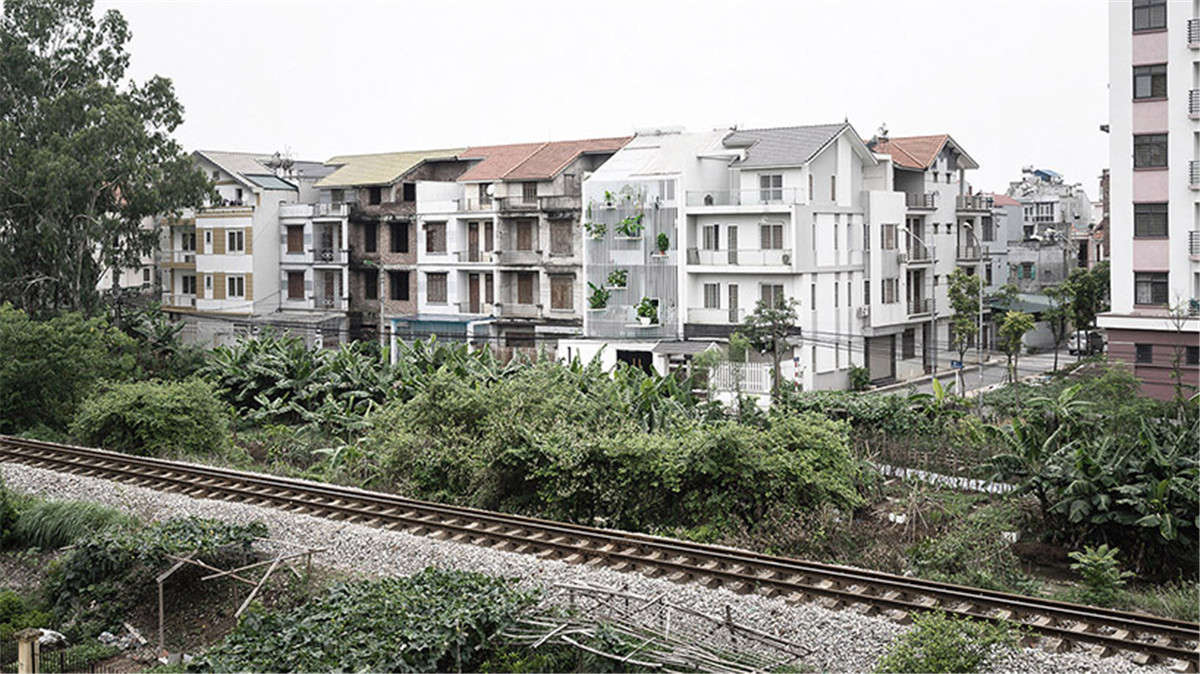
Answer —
863 312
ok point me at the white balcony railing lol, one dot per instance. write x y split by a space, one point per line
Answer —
1193 32
921 201
747 377
330 303
177 300
973 202
1194 174
514 310
743 257
778 196
1194 244
716 316
177 256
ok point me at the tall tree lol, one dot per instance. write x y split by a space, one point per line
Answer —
1059 315
965 294
767 328
1011 332
84 156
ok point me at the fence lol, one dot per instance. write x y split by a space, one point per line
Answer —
8 655
753 377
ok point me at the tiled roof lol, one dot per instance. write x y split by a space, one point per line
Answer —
787 146
914 152
355 170
241 165
1004 200
532 161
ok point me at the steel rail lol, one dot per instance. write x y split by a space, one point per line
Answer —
738 570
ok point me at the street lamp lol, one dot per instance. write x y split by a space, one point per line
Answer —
932 301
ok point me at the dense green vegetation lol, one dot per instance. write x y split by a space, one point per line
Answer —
154 418
55 524
940 643
432 621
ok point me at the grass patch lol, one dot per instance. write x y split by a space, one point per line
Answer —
54 524
1179 600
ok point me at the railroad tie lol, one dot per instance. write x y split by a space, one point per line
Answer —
1055 645
573 558
899 617
1103 651
739 587
679 577
1144 658
1187 666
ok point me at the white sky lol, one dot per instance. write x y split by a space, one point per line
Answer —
1016 82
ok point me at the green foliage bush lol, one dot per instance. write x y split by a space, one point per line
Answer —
104 574
940 643
433 621
972 552
1101 574
10 504
154 418
49 367
18 613
54 524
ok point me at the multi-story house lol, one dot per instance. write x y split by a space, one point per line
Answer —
498 250
365 231
946 226
1154 179
1053 235
221 265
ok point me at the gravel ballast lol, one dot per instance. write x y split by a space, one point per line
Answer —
842 641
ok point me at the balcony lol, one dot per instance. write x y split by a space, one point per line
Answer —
1194 103
479 307
918 306
716 316
518 258
314 210
1194 245
972 202
330 303
476 204
1193 32
742 257
328 256
179 301
514 310
968 253
1194 174
920 202
518 203
228 209
779 196
177 257
918 254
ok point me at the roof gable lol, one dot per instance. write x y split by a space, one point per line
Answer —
919 152
532 161
363 170
786 146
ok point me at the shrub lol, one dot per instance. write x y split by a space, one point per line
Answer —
54 524
940 643
17 613
49 367
432 621
154 419
1101 574
971 552
9 514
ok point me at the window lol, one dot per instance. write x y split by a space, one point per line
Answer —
866 236
1149 14
398 285
1150 81
295 238
866 292
216 174
187 241
908 344
208 283
370 280
810 187
1150 219
988 273
772 295
485 195
525 236
489 236
1150 288
236 242
525 287
887 236
1027 270
562 292
987 229
374 195
833 188
235 286
337 196
712 295
398 232
561 241
529 193
1193 355
836 294
891 291
712 237
489 288
408 192
435 288
188 285
370 237
770 187
1143 353
837 226
772 235
947 177
435 237
295 285
1150 150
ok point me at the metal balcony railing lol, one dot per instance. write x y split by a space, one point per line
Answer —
968 252
917 253
1194 174
917 201
331 210
330 256
918 306
1194 103
744 257
973 202
751 197
330 303
1194 244
1193 31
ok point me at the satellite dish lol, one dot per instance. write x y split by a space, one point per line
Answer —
491 190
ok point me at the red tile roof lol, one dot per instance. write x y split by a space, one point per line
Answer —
532 161
915 152
1004 200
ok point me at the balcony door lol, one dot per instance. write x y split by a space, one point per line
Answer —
731 237
524 235
473 293
524 288
733 303
330 289
473 243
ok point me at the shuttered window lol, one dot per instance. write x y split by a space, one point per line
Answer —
560 239
562 292
435 289
295 285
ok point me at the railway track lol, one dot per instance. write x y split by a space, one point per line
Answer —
1060 625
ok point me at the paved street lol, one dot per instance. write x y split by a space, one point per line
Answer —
996 371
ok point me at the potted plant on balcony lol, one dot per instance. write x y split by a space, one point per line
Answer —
609 199
617 278
664 243
599 297
631 227
647 312
596 230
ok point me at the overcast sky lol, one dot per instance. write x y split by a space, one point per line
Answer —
1015 82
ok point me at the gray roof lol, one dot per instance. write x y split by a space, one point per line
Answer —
312 169
788 146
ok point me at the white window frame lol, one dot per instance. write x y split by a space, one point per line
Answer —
712 295
770 187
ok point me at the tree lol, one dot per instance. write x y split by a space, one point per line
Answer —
1058 316
1088 292
965 294
767 328
1012 330
84 158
